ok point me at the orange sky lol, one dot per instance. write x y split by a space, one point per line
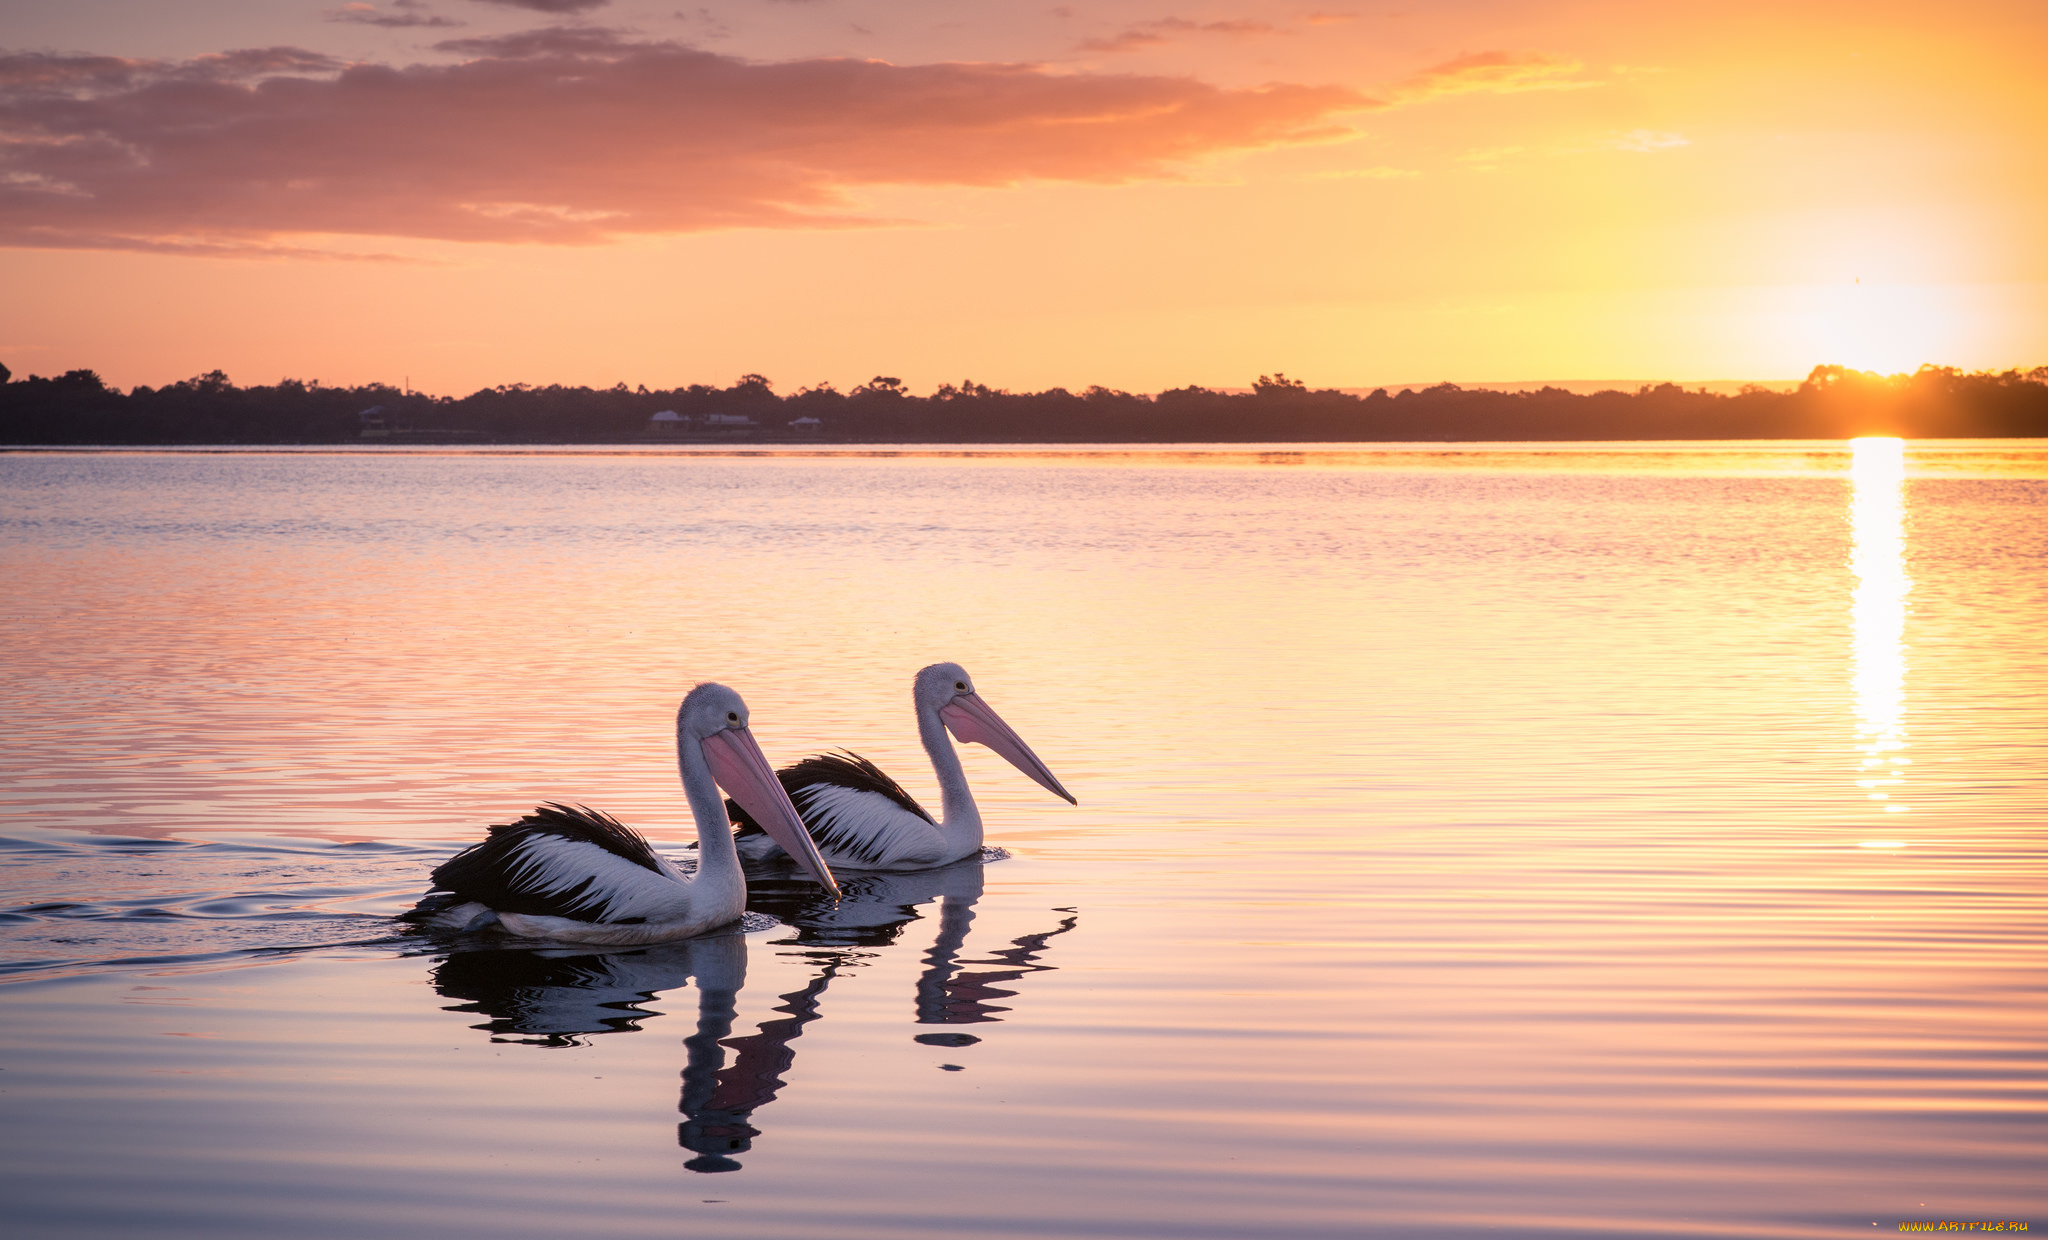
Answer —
1139 194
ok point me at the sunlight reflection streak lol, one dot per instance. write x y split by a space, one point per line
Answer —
1877 521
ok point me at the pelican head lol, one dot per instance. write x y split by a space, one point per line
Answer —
946 690
714 719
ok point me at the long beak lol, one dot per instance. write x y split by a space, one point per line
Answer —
740 768
975 722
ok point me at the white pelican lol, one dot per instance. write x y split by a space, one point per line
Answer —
861 819
578 876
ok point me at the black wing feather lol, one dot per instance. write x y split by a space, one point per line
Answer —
845 769
501 873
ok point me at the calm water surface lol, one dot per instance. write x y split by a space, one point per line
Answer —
1540 841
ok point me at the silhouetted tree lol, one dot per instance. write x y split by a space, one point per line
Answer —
1833 402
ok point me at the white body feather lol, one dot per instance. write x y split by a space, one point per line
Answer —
669 905
879 834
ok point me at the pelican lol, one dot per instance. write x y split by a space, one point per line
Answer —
577 876
860 819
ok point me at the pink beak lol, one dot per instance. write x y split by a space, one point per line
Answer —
975 722
740 768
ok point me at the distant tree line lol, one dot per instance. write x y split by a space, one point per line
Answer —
1833 403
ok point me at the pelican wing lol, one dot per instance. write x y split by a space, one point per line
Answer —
851 771
562 861
857 814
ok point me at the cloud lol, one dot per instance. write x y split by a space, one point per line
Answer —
570 136
1132 40
550 6
1328 19
1635 141
1643 141
369 15
1367 174
1234 27
1489 159
1161 30
1491 73
31 74
709 25
548 41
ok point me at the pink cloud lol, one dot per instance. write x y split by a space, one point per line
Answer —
363 14
1491 72
569 136
1135 39
1161 30
550 6
567 41
29 73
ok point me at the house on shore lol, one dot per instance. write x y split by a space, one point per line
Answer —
668 424
378 422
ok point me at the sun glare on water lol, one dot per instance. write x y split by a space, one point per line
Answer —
1877 519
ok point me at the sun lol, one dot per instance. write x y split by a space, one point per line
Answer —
1887 328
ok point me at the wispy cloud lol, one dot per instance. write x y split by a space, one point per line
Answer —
569 136
410 13
550 6
1492 73
1137 38
1643 141
601 42
1367 174
709 25
27 75
1635 141
1487 159
1133 40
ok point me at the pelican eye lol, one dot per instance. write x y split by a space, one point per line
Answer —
959 686
732 716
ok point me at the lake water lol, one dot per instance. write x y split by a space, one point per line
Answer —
1630 840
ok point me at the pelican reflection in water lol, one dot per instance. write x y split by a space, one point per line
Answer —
559 995
874 908
556 996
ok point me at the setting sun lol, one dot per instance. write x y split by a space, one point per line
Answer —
1890 329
